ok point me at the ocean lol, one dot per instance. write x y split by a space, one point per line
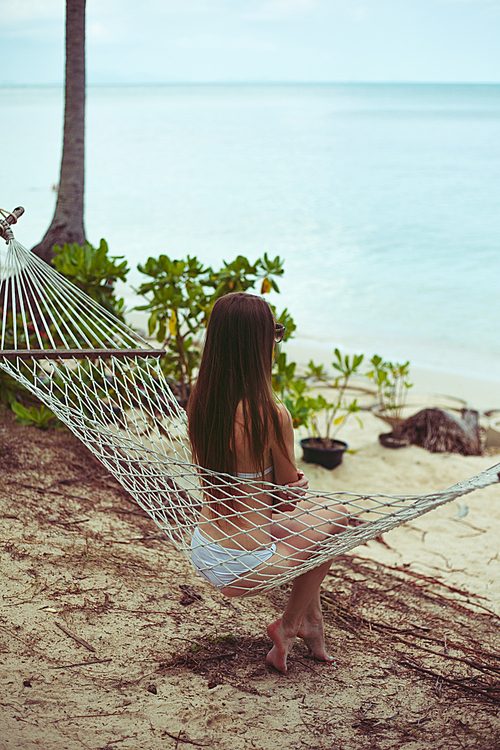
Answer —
383 200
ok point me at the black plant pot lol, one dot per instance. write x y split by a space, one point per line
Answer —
327 453
389 440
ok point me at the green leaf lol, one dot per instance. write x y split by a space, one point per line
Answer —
162 331
40 417
152 322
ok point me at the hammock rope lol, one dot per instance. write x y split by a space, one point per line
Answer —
104 381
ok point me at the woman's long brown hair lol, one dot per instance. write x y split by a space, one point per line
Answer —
235 368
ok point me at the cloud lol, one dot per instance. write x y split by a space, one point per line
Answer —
20 11
99 32
216 42
128 21
360 14
154 9
277 9
32 20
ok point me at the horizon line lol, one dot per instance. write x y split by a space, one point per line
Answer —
256 83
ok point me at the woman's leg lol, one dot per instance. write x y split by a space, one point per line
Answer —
309 524
302 617
297 534
311 629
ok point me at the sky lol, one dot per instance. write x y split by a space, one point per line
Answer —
167 41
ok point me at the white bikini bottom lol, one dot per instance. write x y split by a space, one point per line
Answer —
221 565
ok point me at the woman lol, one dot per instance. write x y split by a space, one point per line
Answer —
236 428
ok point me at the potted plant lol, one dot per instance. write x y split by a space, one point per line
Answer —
325 418
393 385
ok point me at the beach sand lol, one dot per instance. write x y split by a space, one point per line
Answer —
110 640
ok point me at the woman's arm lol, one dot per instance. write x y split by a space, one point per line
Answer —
285 468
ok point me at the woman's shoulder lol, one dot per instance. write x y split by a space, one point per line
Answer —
284 415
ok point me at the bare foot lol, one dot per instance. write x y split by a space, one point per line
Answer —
283 639
312 633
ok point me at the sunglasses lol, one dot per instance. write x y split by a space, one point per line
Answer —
279 332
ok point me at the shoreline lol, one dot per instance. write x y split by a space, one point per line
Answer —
477 392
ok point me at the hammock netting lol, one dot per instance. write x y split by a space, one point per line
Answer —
105 383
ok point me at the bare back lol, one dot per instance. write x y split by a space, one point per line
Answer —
252 529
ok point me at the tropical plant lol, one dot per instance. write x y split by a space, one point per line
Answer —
9 388
181 294
300 404
392 382
323 417
40 417
332 415
93 271
283 375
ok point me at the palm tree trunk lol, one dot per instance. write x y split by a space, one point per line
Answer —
67 224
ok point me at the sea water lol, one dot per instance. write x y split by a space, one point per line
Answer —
383 200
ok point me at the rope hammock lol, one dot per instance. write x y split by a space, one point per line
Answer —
105 383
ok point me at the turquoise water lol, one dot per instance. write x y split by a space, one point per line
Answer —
384 200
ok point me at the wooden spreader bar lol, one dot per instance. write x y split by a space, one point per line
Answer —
80 353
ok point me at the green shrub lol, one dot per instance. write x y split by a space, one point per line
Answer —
181 294
9 388
93 271
40 417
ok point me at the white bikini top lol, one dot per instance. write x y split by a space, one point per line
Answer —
243 475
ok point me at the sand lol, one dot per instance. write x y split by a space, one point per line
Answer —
110 640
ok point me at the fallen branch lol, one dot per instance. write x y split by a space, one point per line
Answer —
82 663
473 664
94 716
45 490
492 693
71 481
76 638
178 738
